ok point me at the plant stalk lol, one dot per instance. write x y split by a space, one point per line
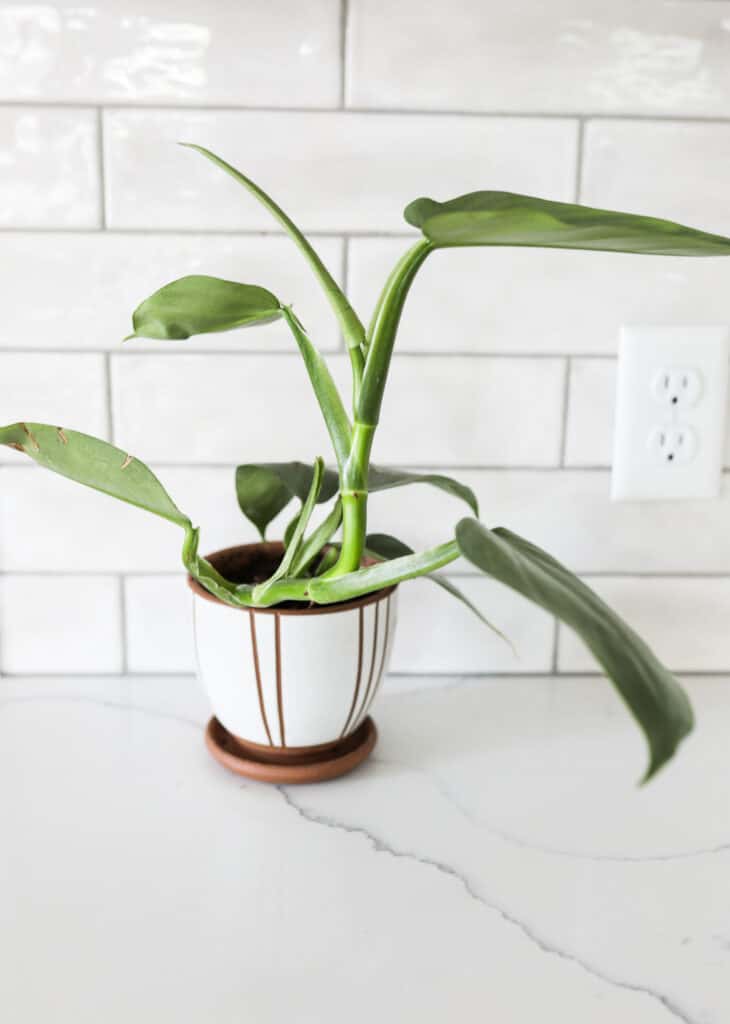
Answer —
354 497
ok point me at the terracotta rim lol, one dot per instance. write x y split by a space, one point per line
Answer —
278 548
299 764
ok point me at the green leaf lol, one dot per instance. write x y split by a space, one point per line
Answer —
103 467
384 328
265 489
388 547
651 692
300 525
384 574
202 305
325 389
236 594
314 544
351 327
506 218
383 479
290 528
94 463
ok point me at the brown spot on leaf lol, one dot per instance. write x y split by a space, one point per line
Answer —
61 436
17 447
126 462
36 446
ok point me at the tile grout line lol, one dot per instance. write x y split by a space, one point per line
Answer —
285 353
471 467
555 639
344 29
123 623
565 411
236 232
487 114
108 396
101 167
579 150
463 574
345 282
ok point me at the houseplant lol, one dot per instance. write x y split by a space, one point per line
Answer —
303 608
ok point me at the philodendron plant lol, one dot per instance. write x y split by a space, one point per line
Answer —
337 560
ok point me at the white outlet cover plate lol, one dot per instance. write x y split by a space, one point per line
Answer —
696 357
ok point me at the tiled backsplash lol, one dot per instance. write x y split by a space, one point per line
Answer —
506 359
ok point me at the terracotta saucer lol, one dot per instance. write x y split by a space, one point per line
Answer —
290 764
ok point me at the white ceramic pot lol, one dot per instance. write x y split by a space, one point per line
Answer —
289 678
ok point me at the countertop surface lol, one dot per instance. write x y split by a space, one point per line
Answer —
494 860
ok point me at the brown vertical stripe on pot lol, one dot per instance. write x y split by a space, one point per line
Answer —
346 726
384 654
372 664
257 668
279 698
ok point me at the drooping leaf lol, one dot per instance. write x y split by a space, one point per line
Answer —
384 574
236 594
103 467
94 463
388 547
264 490
202 305
506 218
651 692
380 479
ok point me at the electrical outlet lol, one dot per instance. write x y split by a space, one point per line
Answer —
669 438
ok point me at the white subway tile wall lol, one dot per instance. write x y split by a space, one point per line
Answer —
505 371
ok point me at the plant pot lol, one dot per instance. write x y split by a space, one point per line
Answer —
290 686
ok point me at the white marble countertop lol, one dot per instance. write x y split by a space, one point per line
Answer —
492 861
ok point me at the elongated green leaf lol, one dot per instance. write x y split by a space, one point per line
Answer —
264 490
103 467
94 463
291 528
352 329
385 546
202 305
653 695
300 525
236 594
383 479
384 574
506 218
325 389
384 329
319 537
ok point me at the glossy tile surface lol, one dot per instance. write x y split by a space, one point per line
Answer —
684 620
49 168
484 55
330 171
511 300
57 306
65 389
60 624
674 169
184 52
